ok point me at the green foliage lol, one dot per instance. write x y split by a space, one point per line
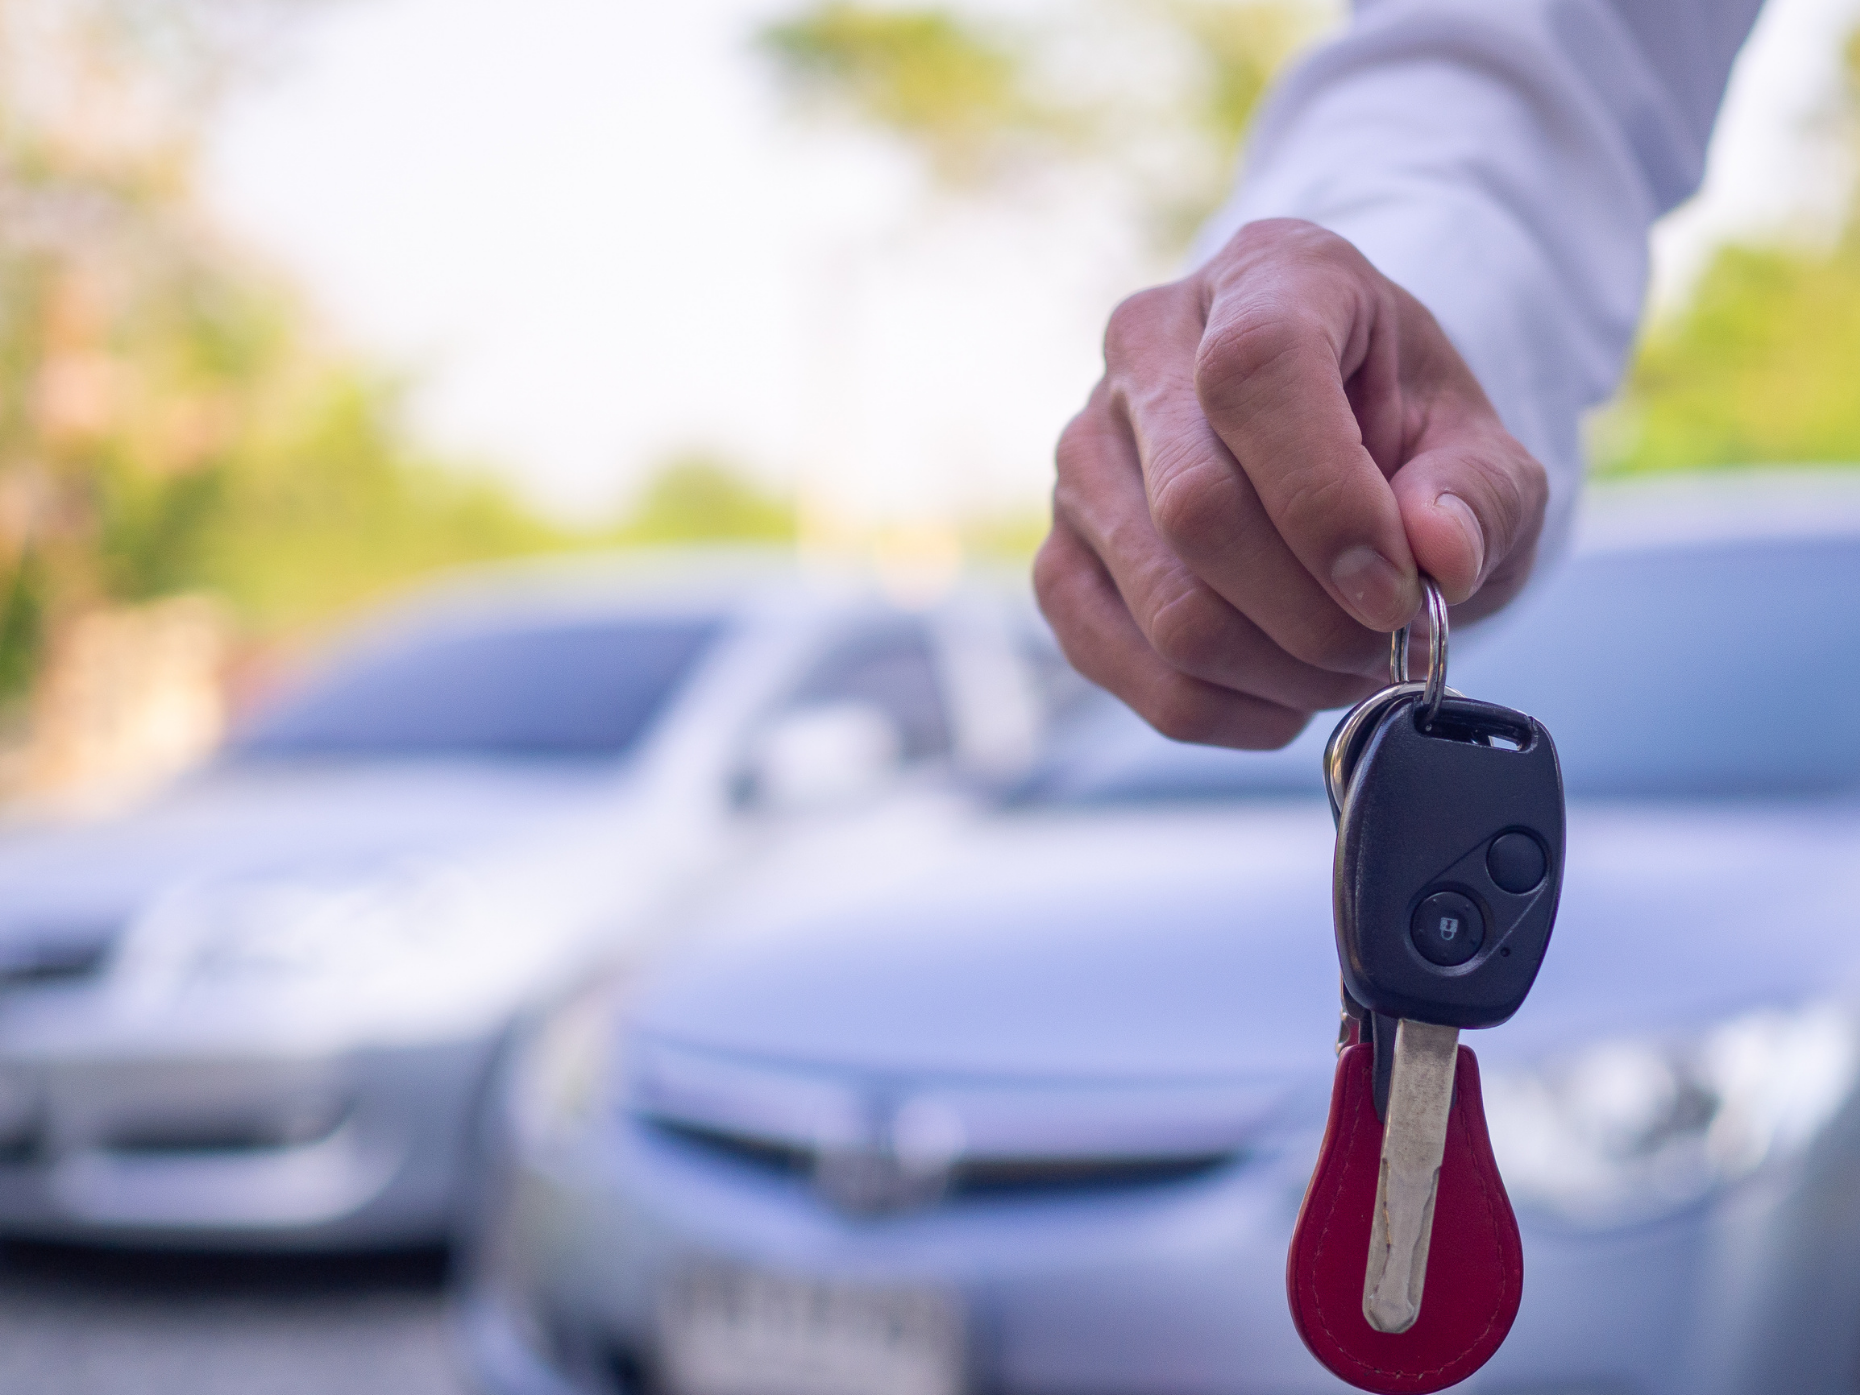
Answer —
699 499
333 505
1242 47
169 420
22 625
958 92
980 104
1235 50
1005 537
1761 365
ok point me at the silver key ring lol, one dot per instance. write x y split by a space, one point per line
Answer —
1436 652
1340 751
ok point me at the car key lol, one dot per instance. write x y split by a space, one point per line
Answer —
1414 1143
1448 866
1446 833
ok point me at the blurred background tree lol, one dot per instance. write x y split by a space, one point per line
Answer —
955 91
1757 365
1152 96
1138 105
170 418
1233 52
173 419
702 498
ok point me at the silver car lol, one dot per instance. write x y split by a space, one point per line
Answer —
261 1009
1036 1115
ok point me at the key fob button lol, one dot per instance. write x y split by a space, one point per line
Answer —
1447 928
1516 862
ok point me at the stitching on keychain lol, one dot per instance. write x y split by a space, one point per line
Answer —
1485 1192
1330 1211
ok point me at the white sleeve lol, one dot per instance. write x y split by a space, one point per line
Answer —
1503 161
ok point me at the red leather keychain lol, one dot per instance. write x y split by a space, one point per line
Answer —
1475 1271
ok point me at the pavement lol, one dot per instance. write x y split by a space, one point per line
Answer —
90 1322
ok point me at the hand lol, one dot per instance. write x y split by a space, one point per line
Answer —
1278 442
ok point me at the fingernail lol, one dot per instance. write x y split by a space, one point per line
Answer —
1469 522
1381 598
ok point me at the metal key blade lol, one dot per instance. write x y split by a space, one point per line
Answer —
1414 1138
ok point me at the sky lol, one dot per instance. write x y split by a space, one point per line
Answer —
597 239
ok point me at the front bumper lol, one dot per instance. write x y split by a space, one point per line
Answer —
1170 1289
233 1148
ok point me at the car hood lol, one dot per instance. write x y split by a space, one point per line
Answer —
67 890
1188 944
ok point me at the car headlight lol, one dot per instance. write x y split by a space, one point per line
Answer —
1631 1128
359 927
397 953
567 1068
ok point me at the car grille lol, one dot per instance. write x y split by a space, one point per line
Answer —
35 964
770 1157
978 1177
871 1145
229 1136
272 1124
1010 1175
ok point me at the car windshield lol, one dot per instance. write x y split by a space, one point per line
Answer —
556 687
1709 670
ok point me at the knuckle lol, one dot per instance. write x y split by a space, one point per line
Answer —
1244 344
1190 631
1258 343
1279 244
1517 489
1530 485
1048 566
1186 503
1318 509
1293 234
1079 460
1074 443
1071 497
1091 434
1131 321
1061 576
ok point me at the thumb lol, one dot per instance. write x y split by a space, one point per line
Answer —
1468 505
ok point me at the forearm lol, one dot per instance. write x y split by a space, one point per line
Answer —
1503 162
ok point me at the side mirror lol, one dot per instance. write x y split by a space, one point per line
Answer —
821 757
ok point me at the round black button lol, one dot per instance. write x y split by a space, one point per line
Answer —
1448 928
1516 862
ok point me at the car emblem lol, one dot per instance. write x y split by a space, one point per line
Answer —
906 1160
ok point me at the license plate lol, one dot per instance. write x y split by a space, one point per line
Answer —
727 1330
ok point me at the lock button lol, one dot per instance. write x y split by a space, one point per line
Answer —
1447 928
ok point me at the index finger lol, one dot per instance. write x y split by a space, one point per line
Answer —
1292 334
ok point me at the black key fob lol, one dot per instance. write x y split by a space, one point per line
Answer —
1449 858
